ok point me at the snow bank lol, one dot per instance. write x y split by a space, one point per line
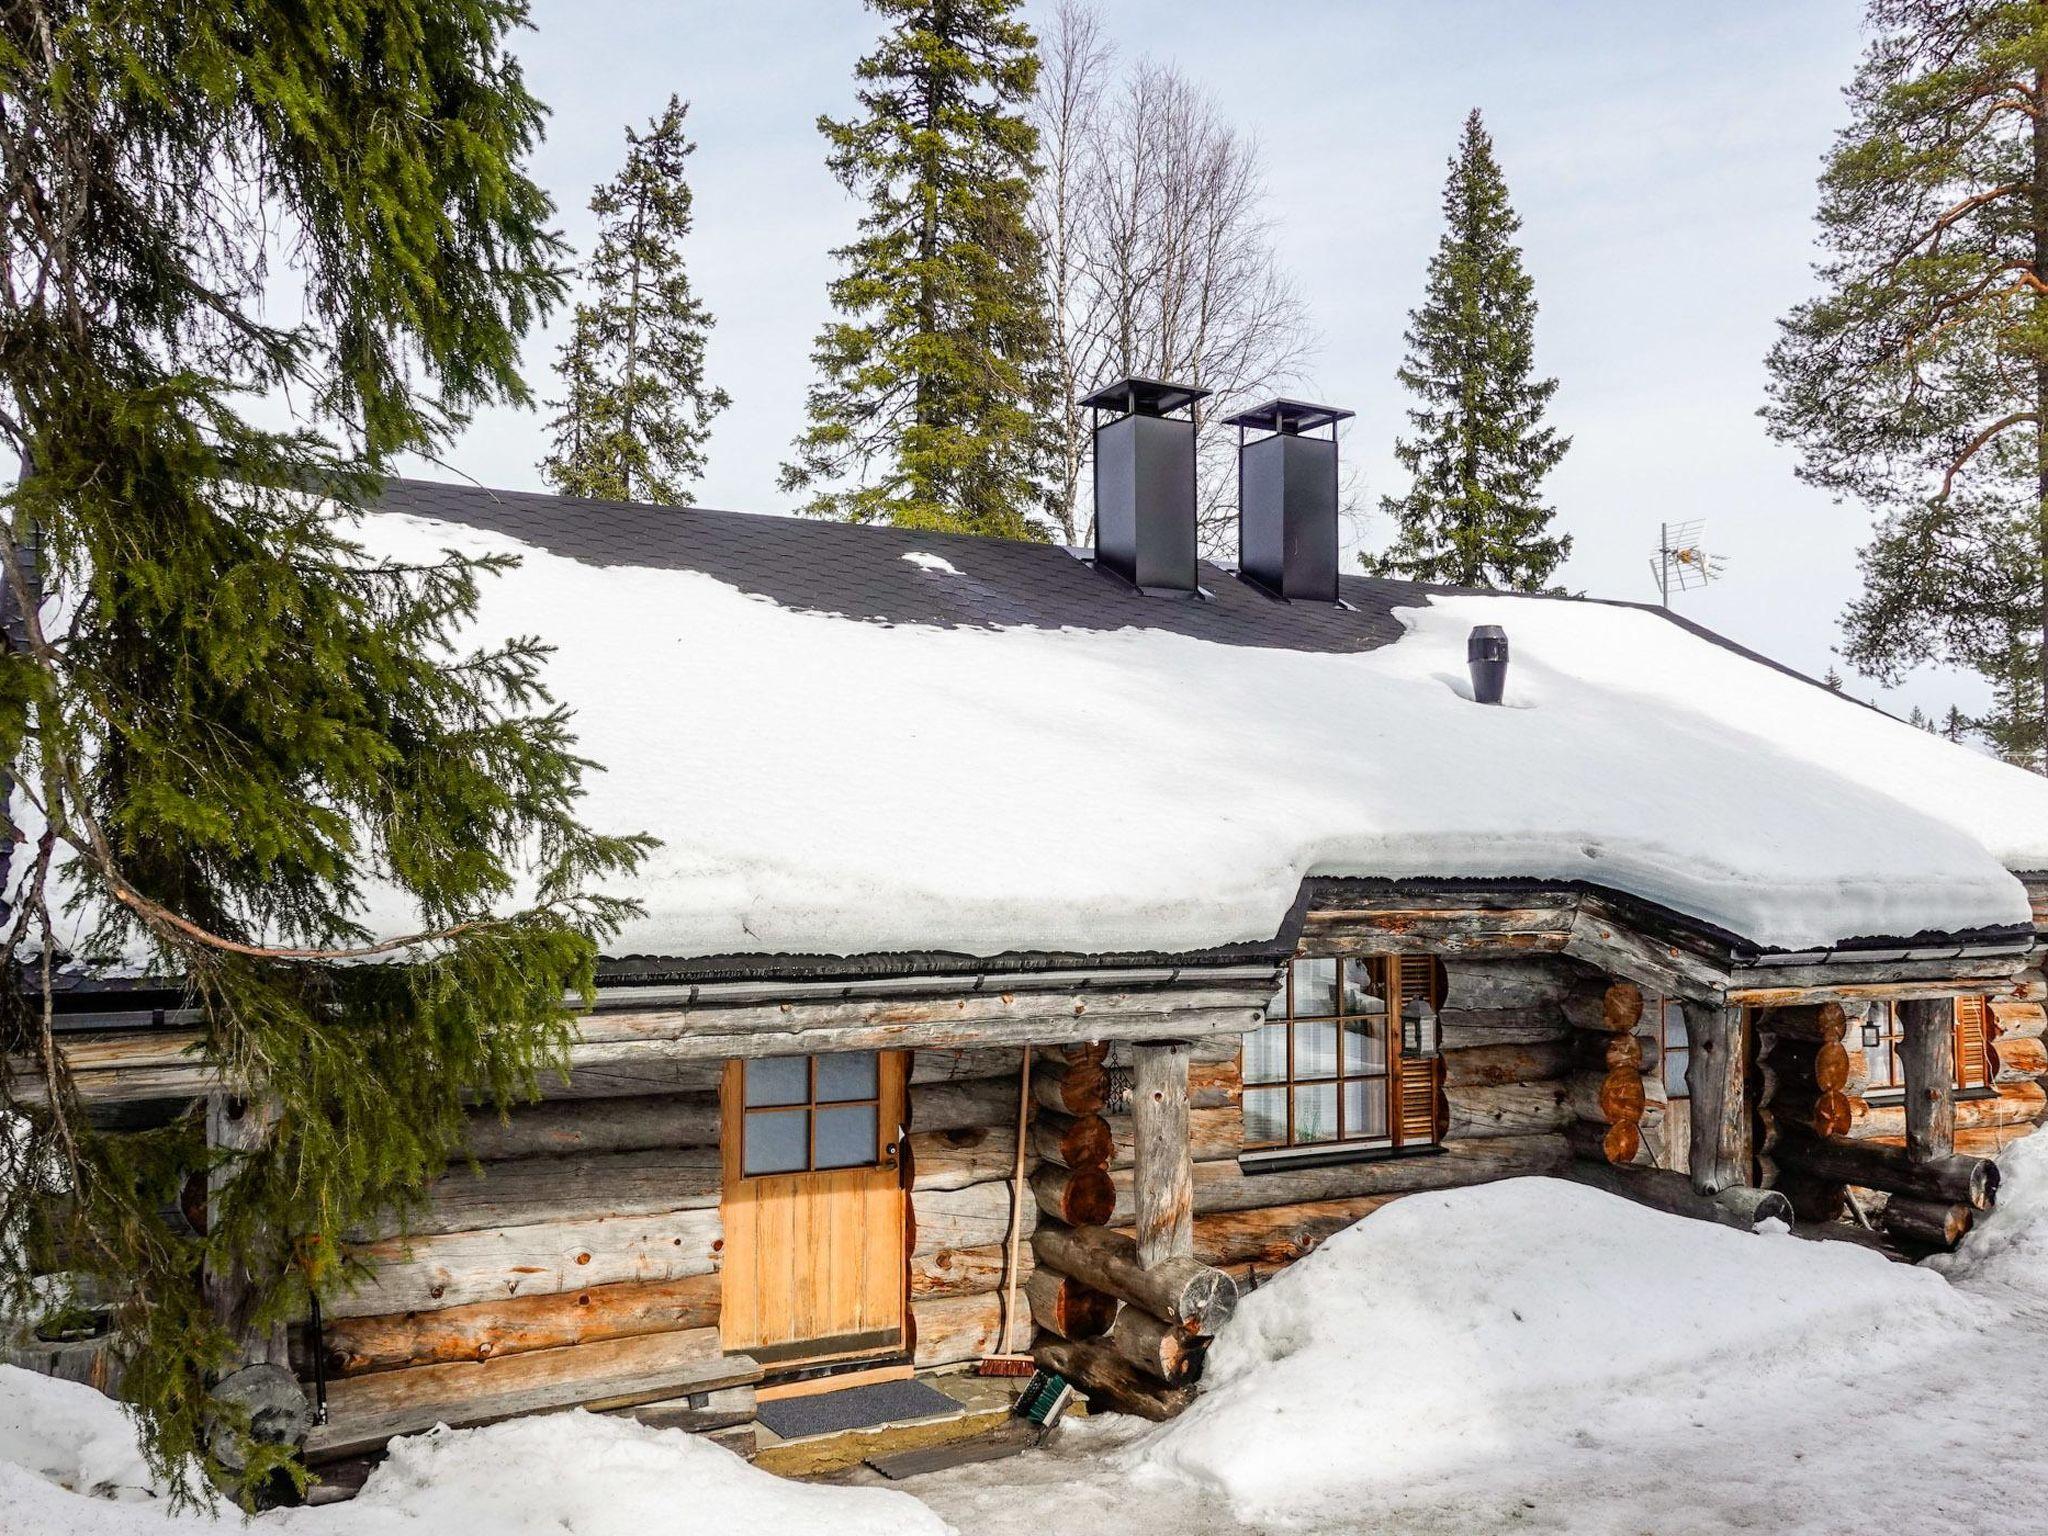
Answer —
567 1474
825 785
1488 1333
2008 1248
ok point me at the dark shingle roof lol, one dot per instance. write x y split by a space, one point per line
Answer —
861 573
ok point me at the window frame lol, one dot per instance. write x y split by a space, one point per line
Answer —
1384 984
1893 1089
809 1106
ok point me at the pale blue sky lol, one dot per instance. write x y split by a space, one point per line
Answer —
1662 157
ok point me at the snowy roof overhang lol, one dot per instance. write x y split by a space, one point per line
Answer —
869 741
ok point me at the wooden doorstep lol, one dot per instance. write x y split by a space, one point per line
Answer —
902 1371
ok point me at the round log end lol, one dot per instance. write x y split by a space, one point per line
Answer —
1621 1142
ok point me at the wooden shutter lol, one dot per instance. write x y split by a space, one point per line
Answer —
1418 1090
1973 1043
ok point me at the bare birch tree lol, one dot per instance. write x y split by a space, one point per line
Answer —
1159 252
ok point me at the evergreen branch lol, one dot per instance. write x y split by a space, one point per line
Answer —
1977 444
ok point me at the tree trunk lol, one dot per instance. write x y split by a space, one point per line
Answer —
1181 1291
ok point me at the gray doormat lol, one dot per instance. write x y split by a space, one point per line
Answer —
827 1413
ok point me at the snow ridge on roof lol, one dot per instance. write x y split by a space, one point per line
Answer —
1023 756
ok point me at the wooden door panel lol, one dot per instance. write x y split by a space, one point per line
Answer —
815 1258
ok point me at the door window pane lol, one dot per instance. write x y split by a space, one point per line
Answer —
1265 1055
776 1142
846 1136
1265 1116
1315 1113
847 1075
778 1080
1315 1051
1365 1108
1315 988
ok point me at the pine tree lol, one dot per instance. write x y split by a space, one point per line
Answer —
635 412
1957 726
1917 380
1473 515
934 394
248 726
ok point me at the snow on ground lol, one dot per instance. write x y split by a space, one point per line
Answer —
1525 1356
825 785
564 1475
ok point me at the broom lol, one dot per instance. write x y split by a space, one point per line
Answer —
1007 1362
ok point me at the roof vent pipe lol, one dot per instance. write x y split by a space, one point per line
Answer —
1287 499
1145 484
1486 653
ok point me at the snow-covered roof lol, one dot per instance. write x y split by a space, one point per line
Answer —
865 740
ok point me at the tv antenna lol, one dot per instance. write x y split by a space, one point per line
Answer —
1682 563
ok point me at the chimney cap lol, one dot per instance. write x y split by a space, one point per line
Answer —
1290 416
1145 397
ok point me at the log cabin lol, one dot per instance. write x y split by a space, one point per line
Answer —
1047 945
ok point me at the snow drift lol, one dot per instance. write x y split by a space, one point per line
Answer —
1490 1339
829 785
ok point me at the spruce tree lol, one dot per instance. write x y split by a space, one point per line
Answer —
636 412
935 394
1916 381
226 726
1473 514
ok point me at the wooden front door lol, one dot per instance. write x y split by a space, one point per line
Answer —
814 1254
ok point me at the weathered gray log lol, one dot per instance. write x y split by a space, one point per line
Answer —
1227 1186
958 1105
1663 1190
1510 1109
1715 1074
1493 1066
957 1158
238 1129
956 1328
975 1216
1163 1180
535 1190
1927 1056
966 1271
1081 1197
1463 1029
1166 1353
1181 1291
632 1079
1971 1181
1925 1223
1066 1306
1110 1381
639 1123
964 1064
1477 983
527 1261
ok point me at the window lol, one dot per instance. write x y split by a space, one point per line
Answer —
1347 1055
811 1112
1882 1033
1674 1044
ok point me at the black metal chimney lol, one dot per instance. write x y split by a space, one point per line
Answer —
1287 499
1486 655
1145 484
